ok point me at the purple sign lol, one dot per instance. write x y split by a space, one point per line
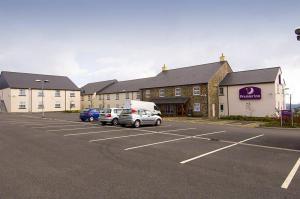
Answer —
250 93
286 113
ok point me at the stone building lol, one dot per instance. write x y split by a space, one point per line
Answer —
187 91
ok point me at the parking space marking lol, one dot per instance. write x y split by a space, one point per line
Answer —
60 125
220 149
291 175
93 132
73 129
173 140
126 136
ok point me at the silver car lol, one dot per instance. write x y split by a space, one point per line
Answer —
137 118
111 116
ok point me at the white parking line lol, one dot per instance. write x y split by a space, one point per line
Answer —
73 129
220 149
60 125
93 132
173 140
291 175
126 136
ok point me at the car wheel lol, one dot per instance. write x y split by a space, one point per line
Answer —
91 119
158 122
115 122
83 120
103 123
137 124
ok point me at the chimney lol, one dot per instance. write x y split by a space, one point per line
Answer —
164 68
222 58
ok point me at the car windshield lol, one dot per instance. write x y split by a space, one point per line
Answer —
85 110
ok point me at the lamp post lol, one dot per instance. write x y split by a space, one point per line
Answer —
297 31
292 116
43 85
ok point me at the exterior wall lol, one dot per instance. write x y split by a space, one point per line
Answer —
213 86
266 106
5 96
32 100
101 101
186 91
279 92
113 102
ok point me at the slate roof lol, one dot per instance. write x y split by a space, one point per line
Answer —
127 86
91 88
265 75
184 76
27 80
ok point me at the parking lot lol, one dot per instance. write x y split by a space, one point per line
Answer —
61 157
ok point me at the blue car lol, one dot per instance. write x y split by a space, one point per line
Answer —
90 114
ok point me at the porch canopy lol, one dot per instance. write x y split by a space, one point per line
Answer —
171 100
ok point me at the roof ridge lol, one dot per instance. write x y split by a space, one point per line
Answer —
102 81
135 79
256 69
193 66
33 73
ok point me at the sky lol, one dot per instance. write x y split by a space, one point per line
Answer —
127 39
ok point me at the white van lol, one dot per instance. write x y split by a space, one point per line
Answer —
149 106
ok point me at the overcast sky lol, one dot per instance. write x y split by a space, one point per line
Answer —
99 40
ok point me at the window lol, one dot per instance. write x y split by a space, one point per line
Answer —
89 98
138 95
117 97
82 98
40 105
127 95
197 107
177 91
222 107
100 97
72 94
161 92
221 91
108 96
22 92
117 106
148 93
57 93
22 105
57 105
196 90
41 93
72 104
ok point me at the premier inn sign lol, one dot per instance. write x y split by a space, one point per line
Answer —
250 93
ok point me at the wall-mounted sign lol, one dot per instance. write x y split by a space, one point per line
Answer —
250 93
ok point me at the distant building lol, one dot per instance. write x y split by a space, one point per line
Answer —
19 92
89 98
257 93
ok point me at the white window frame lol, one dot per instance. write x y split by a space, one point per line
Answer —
221 108
148 93
162 92
89 97
221 93
82 98
108 97
72 104
22 105
40 105
22 92
197 107
57 93
41 93
57 104
177 91
117 96
138 95
196 90
127 95
72 94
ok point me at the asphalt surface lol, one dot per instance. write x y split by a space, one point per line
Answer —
60 157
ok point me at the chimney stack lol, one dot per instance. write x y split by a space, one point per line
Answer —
222 58
164 68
